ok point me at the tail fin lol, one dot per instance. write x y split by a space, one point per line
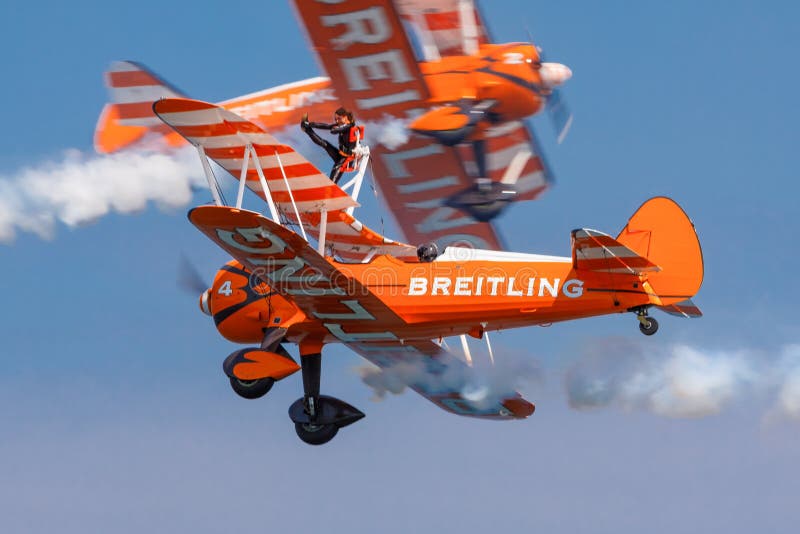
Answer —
128 117
662 232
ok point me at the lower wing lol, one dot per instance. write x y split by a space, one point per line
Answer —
440 377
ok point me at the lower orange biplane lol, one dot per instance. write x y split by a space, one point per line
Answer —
391 302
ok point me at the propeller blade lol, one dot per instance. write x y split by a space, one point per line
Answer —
189 279
559 113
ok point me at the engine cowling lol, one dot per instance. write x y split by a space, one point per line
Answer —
243 306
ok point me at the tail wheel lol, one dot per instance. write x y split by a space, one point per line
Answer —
315 434
648 326
251 389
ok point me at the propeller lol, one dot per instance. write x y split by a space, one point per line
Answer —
189 278
553 75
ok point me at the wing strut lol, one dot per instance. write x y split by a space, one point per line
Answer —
516 167
362 153
465 348
262 179
212 182
248 150
243 176
323 230
291 195
488 343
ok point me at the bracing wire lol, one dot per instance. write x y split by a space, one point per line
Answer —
375 193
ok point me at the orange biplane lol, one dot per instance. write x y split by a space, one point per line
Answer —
411 70
391 303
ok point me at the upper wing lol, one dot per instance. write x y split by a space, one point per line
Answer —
440 377
291 179
444 27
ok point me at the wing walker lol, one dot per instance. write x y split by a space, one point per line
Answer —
380 297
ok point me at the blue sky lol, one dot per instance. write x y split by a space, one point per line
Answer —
116 416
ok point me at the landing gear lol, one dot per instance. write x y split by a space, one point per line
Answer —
647 325
255 388
251 389
318 418
484 200
316 434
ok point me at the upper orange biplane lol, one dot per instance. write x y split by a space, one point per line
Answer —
391 303
444 109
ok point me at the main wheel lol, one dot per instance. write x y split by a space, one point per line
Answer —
251 389
649 326
315 434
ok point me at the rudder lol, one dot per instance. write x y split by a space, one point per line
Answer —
662 232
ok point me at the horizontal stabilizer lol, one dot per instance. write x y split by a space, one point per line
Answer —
596 251
686 308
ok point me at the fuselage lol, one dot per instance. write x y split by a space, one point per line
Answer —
502 73
452 295
508 74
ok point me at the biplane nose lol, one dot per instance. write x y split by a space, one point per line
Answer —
554 74
205 304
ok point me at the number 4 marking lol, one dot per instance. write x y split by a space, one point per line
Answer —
225 289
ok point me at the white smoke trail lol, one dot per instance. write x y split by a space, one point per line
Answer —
787 378
480 385
80 188
682 381
390 132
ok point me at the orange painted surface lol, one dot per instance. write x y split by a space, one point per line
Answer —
500 72
110 136
271 109
242 307
277 108
441 119
263 364
388 298
661 231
